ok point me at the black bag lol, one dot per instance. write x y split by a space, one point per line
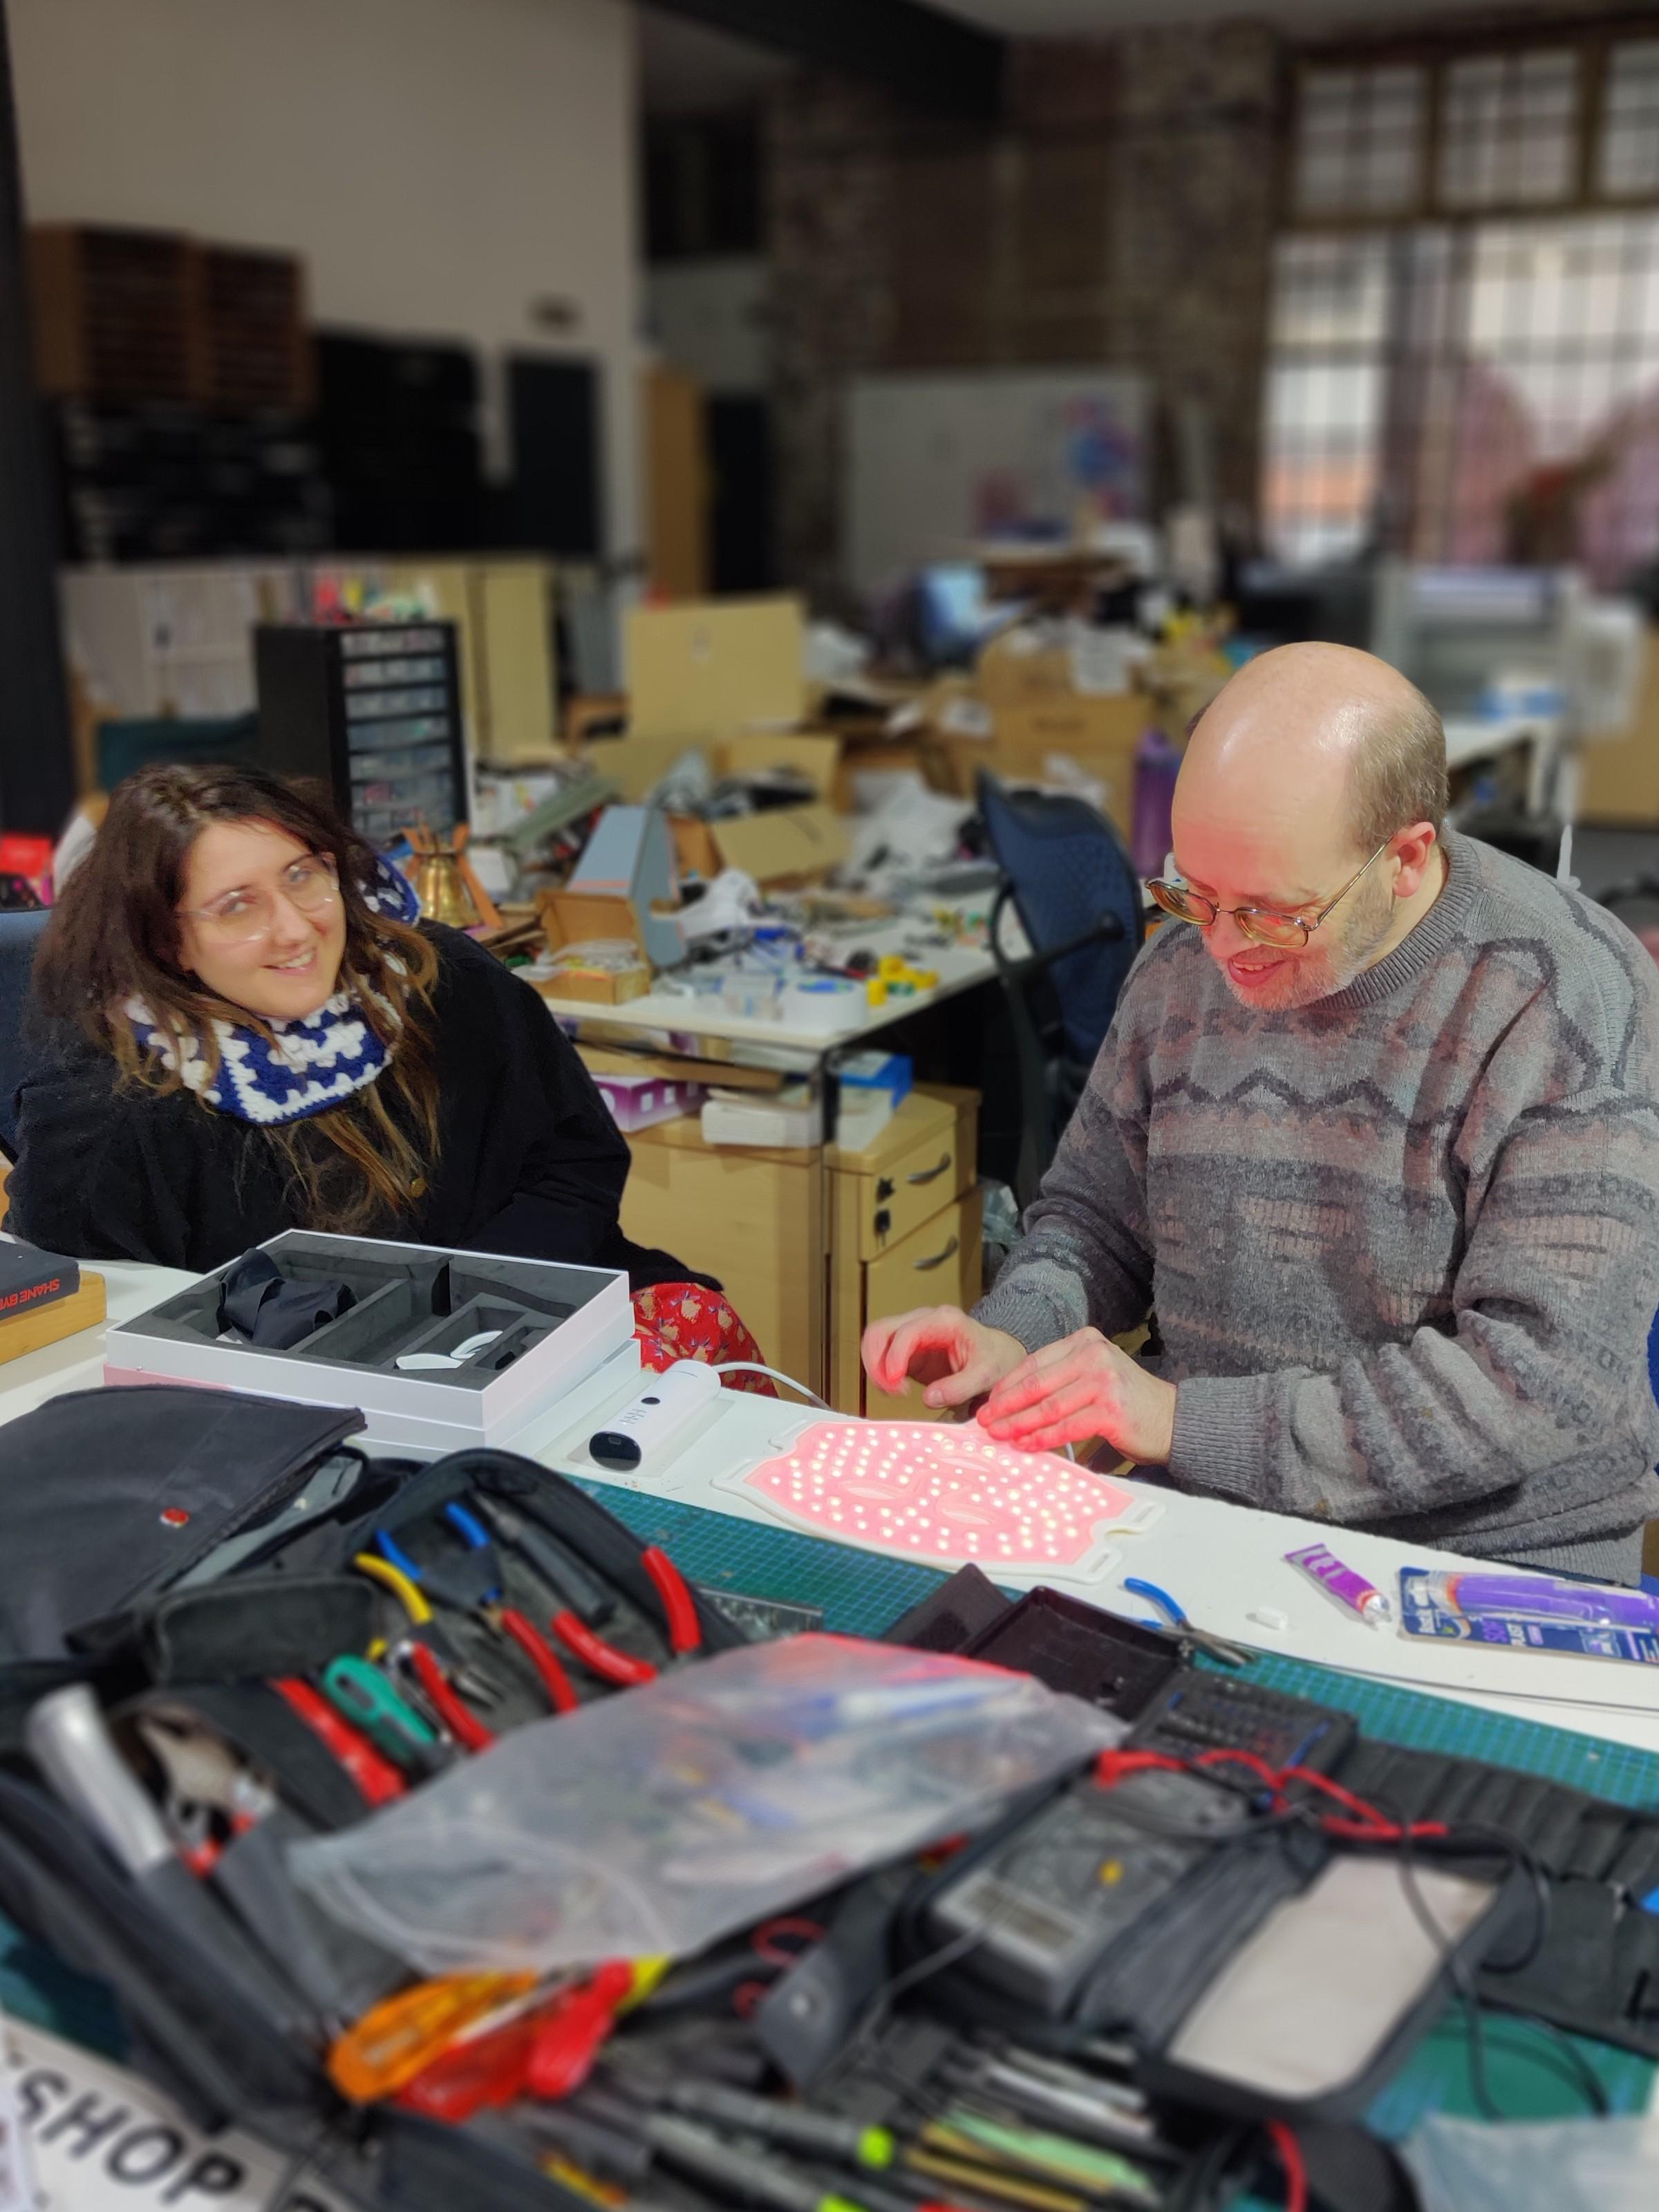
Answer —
232 1985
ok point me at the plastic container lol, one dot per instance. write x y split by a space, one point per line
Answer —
640 1101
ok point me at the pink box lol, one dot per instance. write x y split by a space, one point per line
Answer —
638 1101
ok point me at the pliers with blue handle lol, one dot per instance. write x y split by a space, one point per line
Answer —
491 1604
601 1658
1176 1623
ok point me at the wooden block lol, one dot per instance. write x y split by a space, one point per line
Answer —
613 1059
43 1325
605 986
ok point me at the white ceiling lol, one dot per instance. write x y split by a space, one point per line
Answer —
687 69
1040 18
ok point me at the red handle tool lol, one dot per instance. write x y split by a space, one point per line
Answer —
680 1606
542 1656
463 1724
378 1780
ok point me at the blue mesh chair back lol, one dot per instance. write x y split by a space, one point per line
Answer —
1066 868
19 935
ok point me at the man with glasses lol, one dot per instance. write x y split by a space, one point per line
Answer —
1373 1139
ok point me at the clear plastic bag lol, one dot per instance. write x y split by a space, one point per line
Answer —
1542 2165
655 1823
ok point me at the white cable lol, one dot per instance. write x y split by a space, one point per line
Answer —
753 1367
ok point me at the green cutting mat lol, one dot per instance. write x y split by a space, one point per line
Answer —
860 1594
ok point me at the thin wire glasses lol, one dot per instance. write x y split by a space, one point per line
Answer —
1263 924
312 884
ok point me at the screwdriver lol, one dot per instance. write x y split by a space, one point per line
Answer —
585 1596
797 2126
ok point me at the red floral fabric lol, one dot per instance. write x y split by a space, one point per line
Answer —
683 1320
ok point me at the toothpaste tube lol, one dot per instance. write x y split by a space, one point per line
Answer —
1346 1584
1540 1597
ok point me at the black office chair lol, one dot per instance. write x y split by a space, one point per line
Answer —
20 933
1078 897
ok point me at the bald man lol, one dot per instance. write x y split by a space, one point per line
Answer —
1374 1137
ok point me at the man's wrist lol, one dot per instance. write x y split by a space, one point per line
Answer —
1156 1447
1220 1425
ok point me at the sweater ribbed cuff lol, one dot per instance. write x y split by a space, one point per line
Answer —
1220 1430
1029 1316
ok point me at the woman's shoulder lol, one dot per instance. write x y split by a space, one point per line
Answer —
470 980
459 954
59 1054
69 1075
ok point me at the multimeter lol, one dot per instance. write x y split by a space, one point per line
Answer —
1045 1908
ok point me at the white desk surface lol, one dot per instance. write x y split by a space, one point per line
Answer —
76 1363
1221 1562
959 967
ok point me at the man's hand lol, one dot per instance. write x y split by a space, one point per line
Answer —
956 1359
1082 1387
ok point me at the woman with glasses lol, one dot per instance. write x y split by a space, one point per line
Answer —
247 1028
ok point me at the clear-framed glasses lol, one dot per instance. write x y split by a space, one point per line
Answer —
1263 924
312 884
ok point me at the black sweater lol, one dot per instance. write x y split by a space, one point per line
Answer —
530 1162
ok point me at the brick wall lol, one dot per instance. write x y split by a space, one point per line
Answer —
1121 215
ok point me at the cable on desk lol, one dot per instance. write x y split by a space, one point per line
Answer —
1586 2079
755 1367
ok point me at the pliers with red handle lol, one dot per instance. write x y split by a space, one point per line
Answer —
608 1660
441 1693
684 1630
679 1608
507 1618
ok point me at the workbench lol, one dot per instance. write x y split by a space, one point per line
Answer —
1577 1721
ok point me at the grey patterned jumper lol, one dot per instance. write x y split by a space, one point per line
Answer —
1403 1244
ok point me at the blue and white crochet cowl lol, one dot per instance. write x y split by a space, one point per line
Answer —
316 1060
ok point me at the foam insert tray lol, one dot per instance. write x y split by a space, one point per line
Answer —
558 1323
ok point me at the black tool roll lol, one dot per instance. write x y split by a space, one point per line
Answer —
173 1716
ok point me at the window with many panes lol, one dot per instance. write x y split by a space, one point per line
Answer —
1464 350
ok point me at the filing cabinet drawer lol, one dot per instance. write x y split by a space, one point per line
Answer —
910 1187
938 1264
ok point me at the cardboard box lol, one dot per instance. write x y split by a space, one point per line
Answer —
711 666
1619 776
573 919
636 765
696 853
783 844
813 755
1101 734
567 1320
1009 672
599 986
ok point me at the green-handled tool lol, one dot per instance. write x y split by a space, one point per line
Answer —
368 1700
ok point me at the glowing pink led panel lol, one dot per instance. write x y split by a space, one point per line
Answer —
943 1493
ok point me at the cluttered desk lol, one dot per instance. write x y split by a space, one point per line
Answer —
1181 1669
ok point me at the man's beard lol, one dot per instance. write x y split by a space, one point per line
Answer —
1325 969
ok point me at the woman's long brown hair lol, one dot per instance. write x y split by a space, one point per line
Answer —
115 935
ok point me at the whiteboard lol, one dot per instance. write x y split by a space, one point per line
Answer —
935 463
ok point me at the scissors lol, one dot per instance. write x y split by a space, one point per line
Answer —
1176 1623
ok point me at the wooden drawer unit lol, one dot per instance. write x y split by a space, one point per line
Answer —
914 1167
752 1218
937 1265
907 1231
